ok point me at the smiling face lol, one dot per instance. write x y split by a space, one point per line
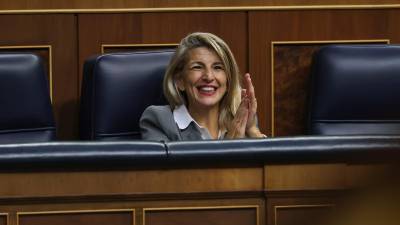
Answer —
203 79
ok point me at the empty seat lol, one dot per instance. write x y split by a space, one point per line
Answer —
116 89
25 108
355 90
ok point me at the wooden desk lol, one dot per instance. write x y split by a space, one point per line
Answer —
276 194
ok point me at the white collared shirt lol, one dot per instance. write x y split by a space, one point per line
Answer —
183 119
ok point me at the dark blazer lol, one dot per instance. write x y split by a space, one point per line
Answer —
157 124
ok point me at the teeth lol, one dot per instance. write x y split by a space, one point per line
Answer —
207 89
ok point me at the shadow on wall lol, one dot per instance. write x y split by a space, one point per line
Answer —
376 204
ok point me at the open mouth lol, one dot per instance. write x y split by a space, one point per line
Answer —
206 89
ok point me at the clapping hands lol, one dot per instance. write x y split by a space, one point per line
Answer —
244 123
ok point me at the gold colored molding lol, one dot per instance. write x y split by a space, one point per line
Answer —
7 217
104 46
200 9
50 69
274 43
383 41
76 212
298 206
202 208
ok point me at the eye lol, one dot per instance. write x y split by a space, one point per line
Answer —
218 67
195 67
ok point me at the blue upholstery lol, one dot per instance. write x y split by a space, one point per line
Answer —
25 109
79 155
285 150
355 89
116 89
144 154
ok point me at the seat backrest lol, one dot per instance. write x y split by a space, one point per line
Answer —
116 89
25 107
355 89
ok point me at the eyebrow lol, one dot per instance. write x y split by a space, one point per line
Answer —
200 62
196 62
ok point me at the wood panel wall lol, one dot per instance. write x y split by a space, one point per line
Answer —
256 36
88 5
96 30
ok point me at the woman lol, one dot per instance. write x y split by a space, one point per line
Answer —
202 86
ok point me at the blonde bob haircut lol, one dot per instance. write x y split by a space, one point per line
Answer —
231 100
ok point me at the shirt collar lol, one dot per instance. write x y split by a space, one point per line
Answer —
182 117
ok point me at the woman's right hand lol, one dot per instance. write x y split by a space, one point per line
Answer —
252 130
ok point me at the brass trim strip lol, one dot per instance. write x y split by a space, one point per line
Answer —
103 46
199 9
257 207
273 43
297 206
49 47
383 41
272 128
76 212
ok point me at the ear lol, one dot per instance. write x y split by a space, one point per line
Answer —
180 84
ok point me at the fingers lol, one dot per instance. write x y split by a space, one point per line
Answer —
253 101
245 117
249 86
241 117
237 128
250 92
244 94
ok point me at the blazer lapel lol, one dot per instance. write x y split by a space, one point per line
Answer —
191 133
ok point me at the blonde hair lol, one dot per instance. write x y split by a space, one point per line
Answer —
231 100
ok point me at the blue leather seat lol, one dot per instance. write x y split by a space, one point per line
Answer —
355 89
95 155
116 89
25 108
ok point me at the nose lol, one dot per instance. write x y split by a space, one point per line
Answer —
208 75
